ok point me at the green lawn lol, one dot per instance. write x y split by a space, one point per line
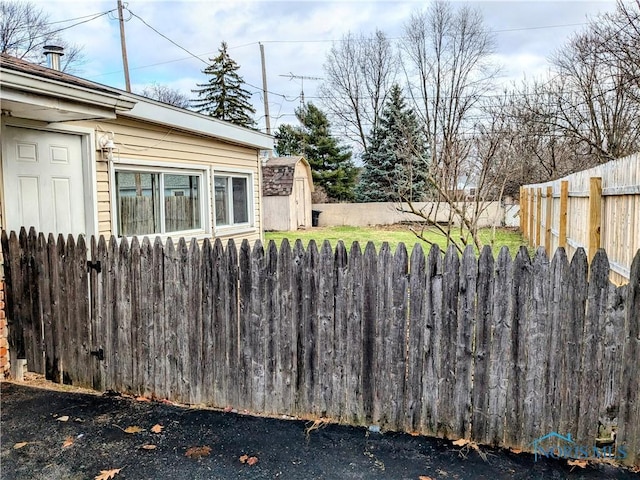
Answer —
393 234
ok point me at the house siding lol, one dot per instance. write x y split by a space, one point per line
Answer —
136 140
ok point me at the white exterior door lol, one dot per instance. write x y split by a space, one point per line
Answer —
43 181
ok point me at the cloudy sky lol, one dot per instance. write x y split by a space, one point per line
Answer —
296 36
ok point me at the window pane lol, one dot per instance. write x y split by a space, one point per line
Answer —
138 203
240 202
181 202
221 197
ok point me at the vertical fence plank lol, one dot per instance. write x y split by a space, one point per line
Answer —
244 323
592 377
448 343
33 345
629 417
548 219
271 309
500 354
159 358
521 292
97 382
82 322
564 201
195 335
209 365
172 315
340 342
396 340
537 354
137 335
109 255
184 321
44 281
53 341
233 352
297 312
123 320
258 326
71 335
354 412
415 340
382 332
325 332
572 334
482 341
595 214
370 276
432 329
147 322
556 342
219 326
464 345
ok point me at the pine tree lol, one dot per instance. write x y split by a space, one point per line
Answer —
396 163
223 96
331 164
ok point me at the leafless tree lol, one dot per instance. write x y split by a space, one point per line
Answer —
25 29
166 94
447 54
359 73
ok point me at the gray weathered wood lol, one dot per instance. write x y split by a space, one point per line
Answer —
340 339
231 316
325 331
369 318
354 412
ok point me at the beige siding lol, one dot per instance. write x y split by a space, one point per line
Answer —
137 140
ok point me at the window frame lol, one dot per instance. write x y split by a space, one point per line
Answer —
203 172
232 228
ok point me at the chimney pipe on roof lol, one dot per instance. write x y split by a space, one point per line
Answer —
53 54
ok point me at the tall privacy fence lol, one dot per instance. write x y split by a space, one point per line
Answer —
501 351
595 208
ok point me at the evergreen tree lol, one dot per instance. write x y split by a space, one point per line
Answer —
331 164
395 165
223 96
288 140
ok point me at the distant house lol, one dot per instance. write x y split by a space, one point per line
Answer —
80 157
286 193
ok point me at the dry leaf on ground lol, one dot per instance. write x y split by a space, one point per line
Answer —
157 428
198 452
244 458
462 442
133 429
64 418
143 399
424 477
107 474
67 442
149 447
252 460
20 445
577 463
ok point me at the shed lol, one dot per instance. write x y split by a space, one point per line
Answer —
286 193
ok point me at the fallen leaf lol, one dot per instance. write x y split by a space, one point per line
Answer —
198 452
64 418
20 445
516 450
252 460
461 443
424 477
67 442
133 429
142 399
228 409
157 428
149 447
107 474
577 463
244 458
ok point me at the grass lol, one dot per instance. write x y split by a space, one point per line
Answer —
393 234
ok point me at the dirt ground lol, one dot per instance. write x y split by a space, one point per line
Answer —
48 433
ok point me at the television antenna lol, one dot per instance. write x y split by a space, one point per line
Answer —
302 78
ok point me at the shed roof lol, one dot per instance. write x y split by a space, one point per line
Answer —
278 174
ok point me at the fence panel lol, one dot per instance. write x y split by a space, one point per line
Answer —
498 351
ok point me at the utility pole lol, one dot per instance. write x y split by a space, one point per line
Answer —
264 91
123 44
302 78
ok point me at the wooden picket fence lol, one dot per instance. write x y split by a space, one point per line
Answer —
500 351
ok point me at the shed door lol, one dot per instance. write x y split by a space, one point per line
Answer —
43 181
301 206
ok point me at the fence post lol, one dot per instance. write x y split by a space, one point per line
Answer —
564 201
548 222
532 237
524 215
595 214
538 240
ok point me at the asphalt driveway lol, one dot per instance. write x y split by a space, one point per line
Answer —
51 434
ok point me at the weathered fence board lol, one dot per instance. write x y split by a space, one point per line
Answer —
497 351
